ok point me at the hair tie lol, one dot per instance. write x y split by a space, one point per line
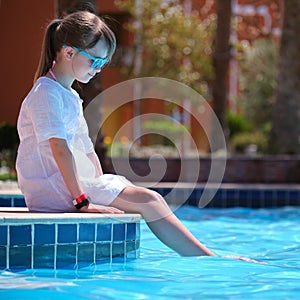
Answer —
58 22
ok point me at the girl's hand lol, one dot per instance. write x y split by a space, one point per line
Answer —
244 259
94 208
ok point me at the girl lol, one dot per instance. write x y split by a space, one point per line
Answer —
54 138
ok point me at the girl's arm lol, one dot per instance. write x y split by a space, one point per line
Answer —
66 165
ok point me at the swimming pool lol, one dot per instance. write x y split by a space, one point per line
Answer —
268 234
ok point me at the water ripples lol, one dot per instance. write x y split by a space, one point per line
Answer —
270 235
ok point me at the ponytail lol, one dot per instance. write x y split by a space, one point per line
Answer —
48 50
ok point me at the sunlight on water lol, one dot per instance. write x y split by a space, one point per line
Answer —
270 235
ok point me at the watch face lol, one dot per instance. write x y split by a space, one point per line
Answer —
84 202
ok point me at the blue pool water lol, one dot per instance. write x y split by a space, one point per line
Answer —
270 235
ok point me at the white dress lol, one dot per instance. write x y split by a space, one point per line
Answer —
48 111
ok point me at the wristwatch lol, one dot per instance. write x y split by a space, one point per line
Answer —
81 201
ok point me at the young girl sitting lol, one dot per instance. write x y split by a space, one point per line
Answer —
54 137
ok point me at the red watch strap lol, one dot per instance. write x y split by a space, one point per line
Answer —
81 198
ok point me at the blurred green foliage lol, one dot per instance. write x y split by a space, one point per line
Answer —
241 141
8 176
164 132
257 81
236 124
174 44
164 127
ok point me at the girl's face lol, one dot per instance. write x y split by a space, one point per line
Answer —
82 64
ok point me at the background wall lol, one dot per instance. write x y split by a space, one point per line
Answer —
22 25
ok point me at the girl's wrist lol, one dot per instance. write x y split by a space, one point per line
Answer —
81 201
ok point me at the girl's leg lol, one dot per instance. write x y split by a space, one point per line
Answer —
161 220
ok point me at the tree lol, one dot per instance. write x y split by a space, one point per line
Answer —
285 132
221 59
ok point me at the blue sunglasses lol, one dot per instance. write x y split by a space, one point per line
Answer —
97 62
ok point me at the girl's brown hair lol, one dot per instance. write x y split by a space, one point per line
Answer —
80 29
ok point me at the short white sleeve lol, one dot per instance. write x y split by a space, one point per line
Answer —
46 113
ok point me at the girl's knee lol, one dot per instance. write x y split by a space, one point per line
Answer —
141 200
150 196
154 200
153 206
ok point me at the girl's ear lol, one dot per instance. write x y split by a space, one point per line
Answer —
68 52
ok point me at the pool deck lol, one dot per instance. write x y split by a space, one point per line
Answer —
65 240
12 187
16 215
61 240
200 194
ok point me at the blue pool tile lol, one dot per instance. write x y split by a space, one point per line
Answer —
19 202
196 193
232 195
2 257
244 195
268 194
20 235
131 250
282 194
3 235
270 202
5 202
118 249
256 203
66 255
131 232
207 199
86 254
245 198
231 202
104 232
209 204
67 233
20 257
86 232
138 232
119 232
219 195
44 233
194 197
294 195
43 256
103 251
256 195
294 202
